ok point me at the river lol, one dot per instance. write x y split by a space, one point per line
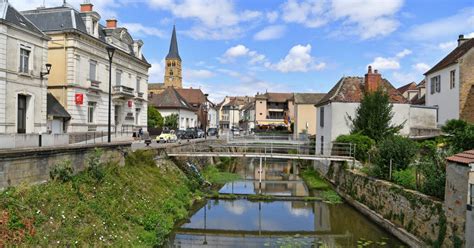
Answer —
296 223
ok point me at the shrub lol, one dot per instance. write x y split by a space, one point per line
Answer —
461 135
405 178
362 144
140 157
62 172
94 166
400 150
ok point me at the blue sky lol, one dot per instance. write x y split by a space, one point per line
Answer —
246 46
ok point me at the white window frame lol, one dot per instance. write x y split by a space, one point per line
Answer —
139 79
92 71
435 84
91 116
118 77
21 66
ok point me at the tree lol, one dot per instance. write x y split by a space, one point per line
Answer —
171 121
373 117
154 117
400 150
362 144
460 135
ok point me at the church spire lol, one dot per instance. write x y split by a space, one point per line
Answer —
173 53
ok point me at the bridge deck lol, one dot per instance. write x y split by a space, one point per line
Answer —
260 155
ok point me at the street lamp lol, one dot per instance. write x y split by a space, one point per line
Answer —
48 69
207 115
110 52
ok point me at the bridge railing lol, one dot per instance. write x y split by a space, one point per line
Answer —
328 149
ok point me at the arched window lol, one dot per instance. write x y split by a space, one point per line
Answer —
174 64
171 72
169 64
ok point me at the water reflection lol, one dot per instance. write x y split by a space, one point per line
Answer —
241 223
277 177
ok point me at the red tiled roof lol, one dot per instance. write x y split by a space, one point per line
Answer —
453 56
170 98
193 96
276 97
351 89
466 157
404 88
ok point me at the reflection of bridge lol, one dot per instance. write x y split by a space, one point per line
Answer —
266 233
298 151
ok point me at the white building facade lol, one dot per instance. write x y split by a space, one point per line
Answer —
23 56
80 78
450 84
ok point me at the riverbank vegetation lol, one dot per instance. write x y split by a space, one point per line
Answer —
319 186
215 176
105 205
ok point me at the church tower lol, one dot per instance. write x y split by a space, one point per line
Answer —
173 65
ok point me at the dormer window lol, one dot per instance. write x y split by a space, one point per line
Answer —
95 29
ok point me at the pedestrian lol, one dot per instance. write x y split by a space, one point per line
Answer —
140 133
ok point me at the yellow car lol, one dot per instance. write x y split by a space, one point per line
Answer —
167 136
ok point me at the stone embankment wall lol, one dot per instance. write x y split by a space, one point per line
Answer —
414 218
32 165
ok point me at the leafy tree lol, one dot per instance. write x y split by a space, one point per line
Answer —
362 144
402 151
171 121
373 116
460 135
432 167
154 117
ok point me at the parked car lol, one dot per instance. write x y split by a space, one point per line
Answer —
191 133
200 133
181 134
212 131
167 136
235 131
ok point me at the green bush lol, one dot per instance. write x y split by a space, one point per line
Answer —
62 172
400 150
460 135
140 158
405 178
94 166
362 144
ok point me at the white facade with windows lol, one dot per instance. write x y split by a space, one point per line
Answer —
442 90
23 55
186 118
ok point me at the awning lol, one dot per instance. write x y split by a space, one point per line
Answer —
55 109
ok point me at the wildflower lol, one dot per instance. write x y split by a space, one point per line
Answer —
58 241
62 215
38 211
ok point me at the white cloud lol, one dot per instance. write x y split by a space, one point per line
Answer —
389 63
272 16
104 7
241 51
270 33
139 30
192 75
298 59
402 78
447 27
215 19
156 72
421 67
450 45
364 18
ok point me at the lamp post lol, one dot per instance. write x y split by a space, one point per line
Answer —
207 115
110 52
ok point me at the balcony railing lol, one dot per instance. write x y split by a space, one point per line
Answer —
140 94
95 84
123 90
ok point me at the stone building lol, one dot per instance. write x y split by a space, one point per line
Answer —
23 57
344 99
450 83
80 75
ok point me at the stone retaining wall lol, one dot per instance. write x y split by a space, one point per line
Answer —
414 218
32 166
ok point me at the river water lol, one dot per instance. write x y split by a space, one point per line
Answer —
243 223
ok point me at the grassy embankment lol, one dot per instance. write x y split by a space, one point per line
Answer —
106 205
320 186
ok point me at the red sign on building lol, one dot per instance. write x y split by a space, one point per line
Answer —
79 98
129 104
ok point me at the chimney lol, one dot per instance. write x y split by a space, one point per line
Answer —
372 80
461 39
86 7
111 23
